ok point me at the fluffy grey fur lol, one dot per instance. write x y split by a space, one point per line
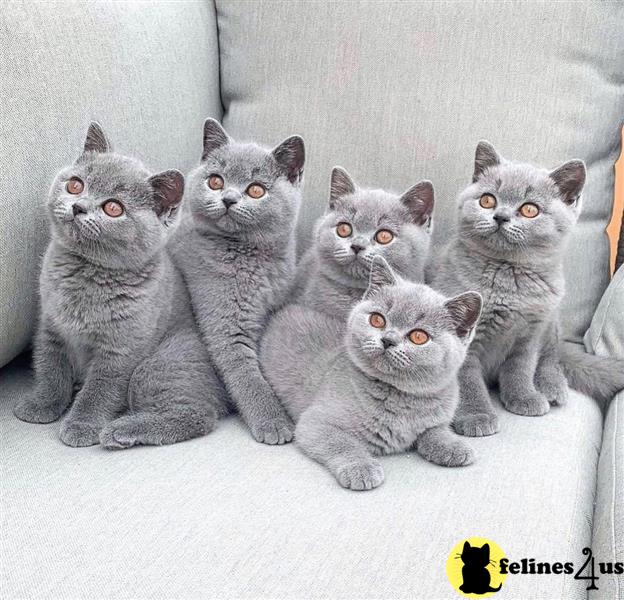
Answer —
116 329
333 274
372 391
237 257
516 263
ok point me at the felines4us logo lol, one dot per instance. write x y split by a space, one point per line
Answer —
478 567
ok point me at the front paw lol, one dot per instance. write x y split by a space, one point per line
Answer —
554 386
529 405
360 476
450 453
34 411
273 430
79 434
476 425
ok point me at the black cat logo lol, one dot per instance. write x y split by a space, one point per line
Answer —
474 572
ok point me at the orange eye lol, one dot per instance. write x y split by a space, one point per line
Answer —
529 210
487 201
215 182
383 236
377 320
418 337
113 208
256 191
344 230
74 186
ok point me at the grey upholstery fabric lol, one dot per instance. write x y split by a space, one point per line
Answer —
149 74
398 91
226 517
606 337
608 538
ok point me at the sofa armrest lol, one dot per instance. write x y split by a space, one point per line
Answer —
608 534
605 335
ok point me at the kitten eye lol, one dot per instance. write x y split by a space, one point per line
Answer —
344 230
113 208
215 182
418 337
383 236
377 320
487 201
256 191
529 210
74 186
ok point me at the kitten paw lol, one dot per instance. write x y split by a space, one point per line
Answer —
453 453
533 405
476 425
117 437
32 411
554 387
79 434
360 476
278 430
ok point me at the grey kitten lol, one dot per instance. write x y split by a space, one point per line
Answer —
513 221
359 225
109 295
235 246
388 385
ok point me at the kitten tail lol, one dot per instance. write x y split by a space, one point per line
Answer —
597 376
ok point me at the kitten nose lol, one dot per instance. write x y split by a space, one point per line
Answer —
78 209
357 248
501 217
387 342
230 197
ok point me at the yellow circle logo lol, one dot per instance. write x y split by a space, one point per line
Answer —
473 567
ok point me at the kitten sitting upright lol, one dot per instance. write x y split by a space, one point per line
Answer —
387 385
236 247
513 221
362 224
111 303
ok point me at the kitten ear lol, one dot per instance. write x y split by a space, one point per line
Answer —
96 140
464 311
570 179
485 157
467 545
290 156
381 275
214 137
419 200
341 185
485 548
168 190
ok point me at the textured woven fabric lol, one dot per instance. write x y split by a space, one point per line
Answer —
606 337
608 538
226 517
149 74
399 91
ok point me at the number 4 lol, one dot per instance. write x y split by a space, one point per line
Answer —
592 577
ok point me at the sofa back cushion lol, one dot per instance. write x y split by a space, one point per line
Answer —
400 91
150 75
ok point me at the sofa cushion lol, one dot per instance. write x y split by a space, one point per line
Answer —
150 76
226 517
399 91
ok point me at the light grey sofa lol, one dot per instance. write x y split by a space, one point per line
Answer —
393 91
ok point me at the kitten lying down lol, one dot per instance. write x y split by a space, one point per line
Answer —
389 386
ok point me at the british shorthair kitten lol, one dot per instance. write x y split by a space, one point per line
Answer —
115 328
236 248
388 385
514 220
359 225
